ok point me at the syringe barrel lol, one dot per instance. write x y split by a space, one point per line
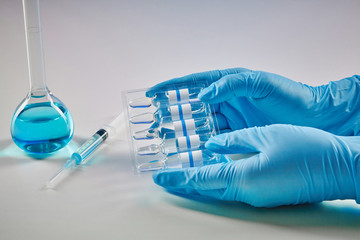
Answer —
115 126
90 146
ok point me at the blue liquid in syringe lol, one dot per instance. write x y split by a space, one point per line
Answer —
42 127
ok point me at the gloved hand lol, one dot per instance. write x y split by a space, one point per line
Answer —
244 98
292 165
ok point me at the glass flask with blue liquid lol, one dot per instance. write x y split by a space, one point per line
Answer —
41 123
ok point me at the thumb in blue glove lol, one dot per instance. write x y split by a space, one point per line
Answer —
255 98
292 165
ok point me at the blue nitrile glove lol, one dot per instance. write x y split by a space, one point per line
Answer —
244 98
292 165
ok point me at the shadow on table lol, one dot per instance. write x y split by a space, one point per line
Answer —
344 214
9 151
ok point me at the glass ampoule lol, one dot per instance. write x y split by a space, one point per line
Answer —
195 109
41 122
169 129
173 145
170 97
195 158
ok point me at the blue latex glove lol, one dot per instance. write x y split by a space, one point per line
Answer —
243 98
292 165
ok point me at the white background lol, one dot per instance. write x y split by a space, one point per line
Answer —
96 49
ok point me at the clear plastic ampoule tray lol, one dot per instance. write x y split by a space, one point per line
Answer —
170 129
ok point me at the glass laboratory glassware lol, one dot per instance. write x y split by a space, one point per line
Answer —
195 109
169 97
175 129
173 145
41 123
181 160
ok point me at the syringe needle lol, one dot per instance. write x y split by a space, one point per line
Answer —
80 156
83 153
61 174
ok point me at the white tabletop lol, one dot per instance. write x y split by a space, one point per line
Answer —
96 49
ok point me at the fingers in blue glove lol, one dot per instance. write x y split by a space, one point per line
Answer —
240 141
212 181
292 165
221 121
250 84
192 80
209 180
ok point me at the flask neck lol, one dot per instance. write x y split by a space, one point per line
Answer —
34 47
39 92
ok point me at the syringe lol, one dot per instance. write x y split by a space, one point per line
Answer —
81 155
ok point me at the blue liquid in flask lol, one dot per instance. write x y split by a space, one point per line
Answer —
41 123
42 127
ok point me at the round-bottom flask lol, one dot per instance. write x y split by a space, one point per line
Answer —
41 124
